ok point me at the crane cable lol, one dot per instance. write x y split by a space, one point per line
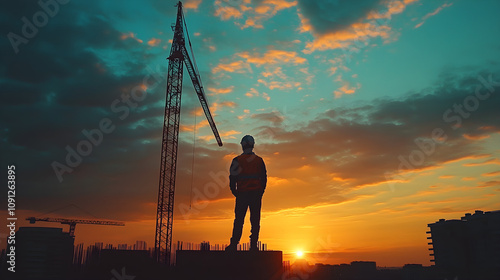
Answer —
69 205
197 73
192 162
192 53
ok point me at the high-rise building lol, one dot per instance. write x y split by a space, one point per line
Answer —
468 248
43 253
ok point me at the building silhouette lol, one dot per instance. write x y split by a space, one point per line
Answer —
468 248
43 253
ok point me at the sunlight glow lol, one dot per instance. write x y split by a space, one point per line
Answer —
299 254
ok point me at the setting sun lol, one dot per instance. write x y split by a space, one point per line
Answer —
299 254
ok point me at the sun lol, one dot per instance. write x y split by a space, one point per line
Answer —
299 254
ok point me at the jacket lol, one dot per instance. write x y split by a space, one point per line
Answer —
247 173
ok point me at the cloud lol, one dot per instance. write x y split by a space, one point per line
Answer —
372 138
491 174
232 67
226 11
489 184
282 85
253 93
216 91
332 16
357 33
192 4
393 7
264 10
435 12
154 42
65 80
252 13
353 24
274 118
272 57
125 36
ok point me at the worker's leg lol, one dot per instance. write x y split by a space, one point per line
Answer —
240 211
255 206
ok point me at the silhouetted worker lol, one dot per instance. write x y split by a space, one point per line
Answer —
247 181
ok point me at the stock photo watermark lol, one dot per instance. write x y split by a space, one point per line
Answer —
11 219
122 276
94 137
31 27
454 116
201 199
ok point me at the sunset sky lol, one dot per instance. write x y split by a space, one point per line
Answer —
374 118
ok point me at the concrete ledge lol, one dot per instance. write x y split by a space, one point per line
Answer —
263 265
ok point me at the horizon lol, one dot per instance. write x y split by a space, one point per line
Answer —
374 119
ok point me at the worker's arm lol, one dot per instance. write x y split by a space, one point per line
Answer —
263 176
234 170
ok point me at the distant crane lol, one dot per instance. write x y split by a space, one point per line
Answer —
72 222
168 161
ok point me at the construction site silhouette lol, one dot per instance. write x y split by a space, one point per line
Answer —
464 249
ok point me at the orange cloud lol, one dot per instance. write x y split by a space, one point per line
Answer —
357 32
217 106
235 66
265 10
279 85
216 91
280 4
192 4
491 174
154 42
489 184
252 92
229 134
252 23
346 88
475 137
222 134
394 7
226 11
305 24
468 179
272 57
191 128
439 9
125 36
486 162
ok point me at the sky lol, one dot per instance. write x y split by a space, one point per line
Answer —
374 119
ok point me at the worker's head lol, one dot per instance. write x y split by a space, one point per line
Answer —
247 142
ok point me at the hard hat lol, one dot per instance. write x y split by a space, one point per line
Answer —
247 141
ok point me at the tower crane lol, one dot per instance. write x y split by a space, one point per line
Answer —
168 161
72 222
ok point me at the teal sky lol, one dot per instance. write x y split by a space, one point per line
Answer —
342 97
420 41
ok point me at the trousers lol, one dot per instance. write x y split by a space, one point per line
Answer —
245 200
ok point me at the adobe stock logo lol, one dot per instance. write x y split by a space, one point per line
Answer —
49 8
454 116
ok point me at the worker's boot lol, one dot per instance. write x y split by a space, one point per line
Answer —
233 246
254 246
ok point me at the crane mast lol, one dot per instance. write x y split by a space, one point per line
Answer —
170 139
